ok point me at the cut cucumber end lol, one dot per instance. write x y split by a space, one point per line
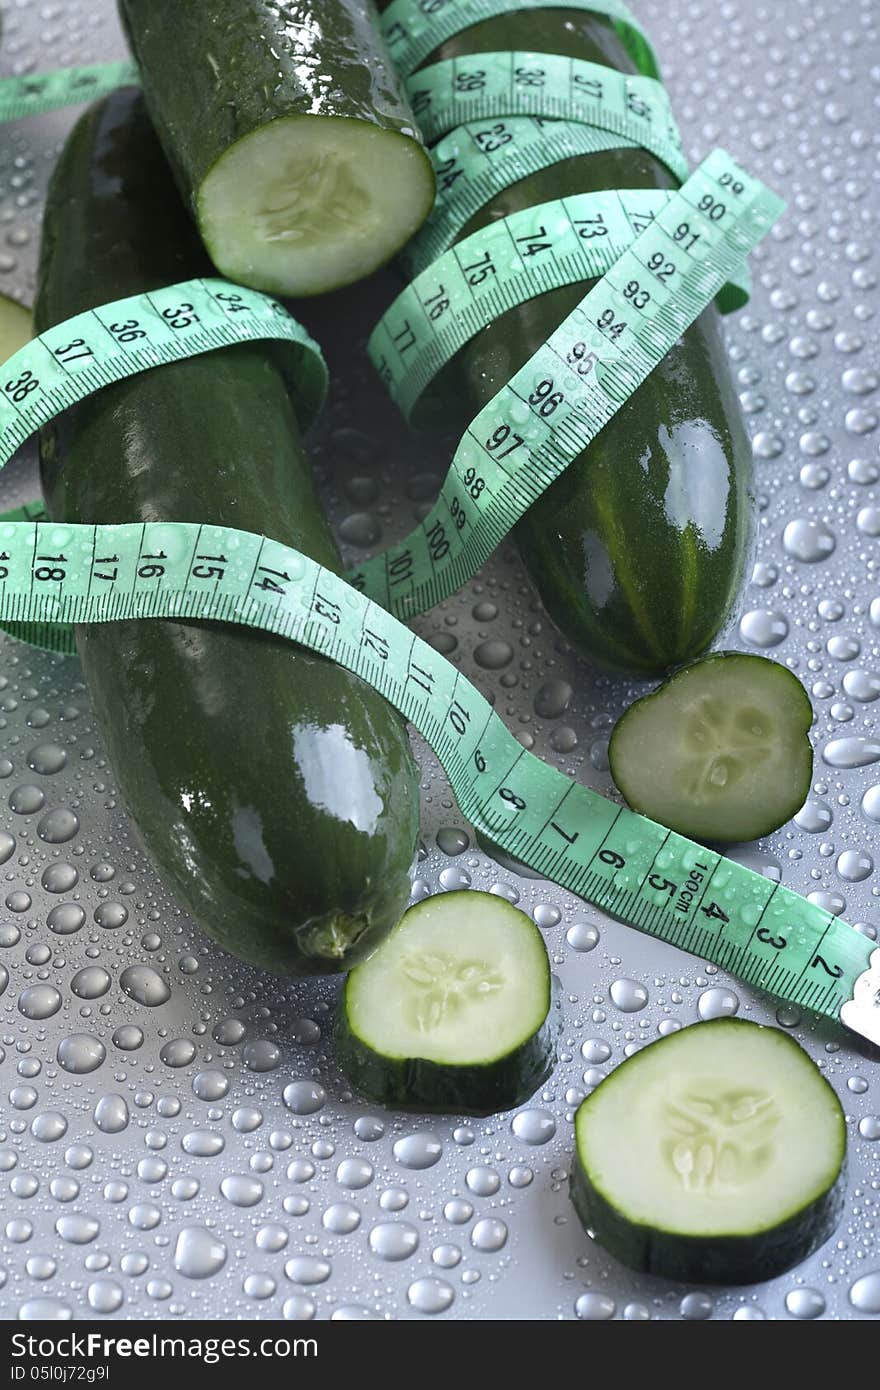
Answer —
719 752
308 204
16 327
715 1154
451 1012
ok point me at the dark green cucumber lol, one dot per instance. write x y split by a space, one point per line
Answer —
714 1155
16 327
289 134
720 752
276 792
450 1014
638 550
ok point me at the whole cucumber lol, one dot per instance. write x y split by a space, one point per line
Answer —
638 549
289 134
276 792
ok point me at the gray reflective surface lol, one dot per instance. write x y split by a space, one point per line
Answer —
176 1141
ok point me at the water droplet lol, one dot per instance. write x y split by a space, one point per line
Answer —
763 628
420 1150
202 1143
628 995
808 541
91 982
851 752
198 1253
45 1310
301 1170
485 1182
865 1293
47 759
533 1126
452 841
304 1097
696 1307
26 800
814 816
805 1303
553 699
430 1295
489 1234
298 1309
595 1051
493 654
144 985
65 919
341 1218
58 826
128 1038
210 1085
361 528
177 1052
595 1307
869 1127
39 1001
394 1240
307 1269
111 1114
582 936
453 879
228 1032
77 1229
855 865
7 846
105 1296
111 916
241 1190
547 916
717 1003
80 1053
49 1127
261 1055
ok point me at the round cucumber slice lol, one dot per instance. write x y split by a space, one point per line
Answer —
16 327
713 1155
720 751
307 204
451 1012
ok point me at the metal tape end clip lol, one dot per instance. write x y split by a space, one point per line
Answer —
862 1012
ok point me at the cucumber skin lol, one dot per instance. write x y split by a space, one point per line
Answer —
751 1259
199 710
201 107
413 1083
639 549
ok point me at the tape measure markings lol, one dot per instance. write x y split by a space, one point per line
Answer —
413 32
548 245
517 147
560 399
680 891
107 344
483 86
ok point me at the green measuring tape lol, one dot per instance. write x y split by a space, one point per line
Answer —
47 91
482 86
413 31
514 259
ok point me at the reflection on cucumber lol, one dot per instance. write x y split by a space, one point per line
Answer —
713 1155
451 1012
720 752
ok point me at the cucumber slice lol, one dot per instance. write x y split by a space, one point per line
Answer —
311 203
713 1155
720 752
16 327
451 1012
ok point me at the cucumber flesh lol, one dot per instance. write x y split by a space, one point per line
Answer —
16 327
451 1012
307 204
714 1154
720 752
